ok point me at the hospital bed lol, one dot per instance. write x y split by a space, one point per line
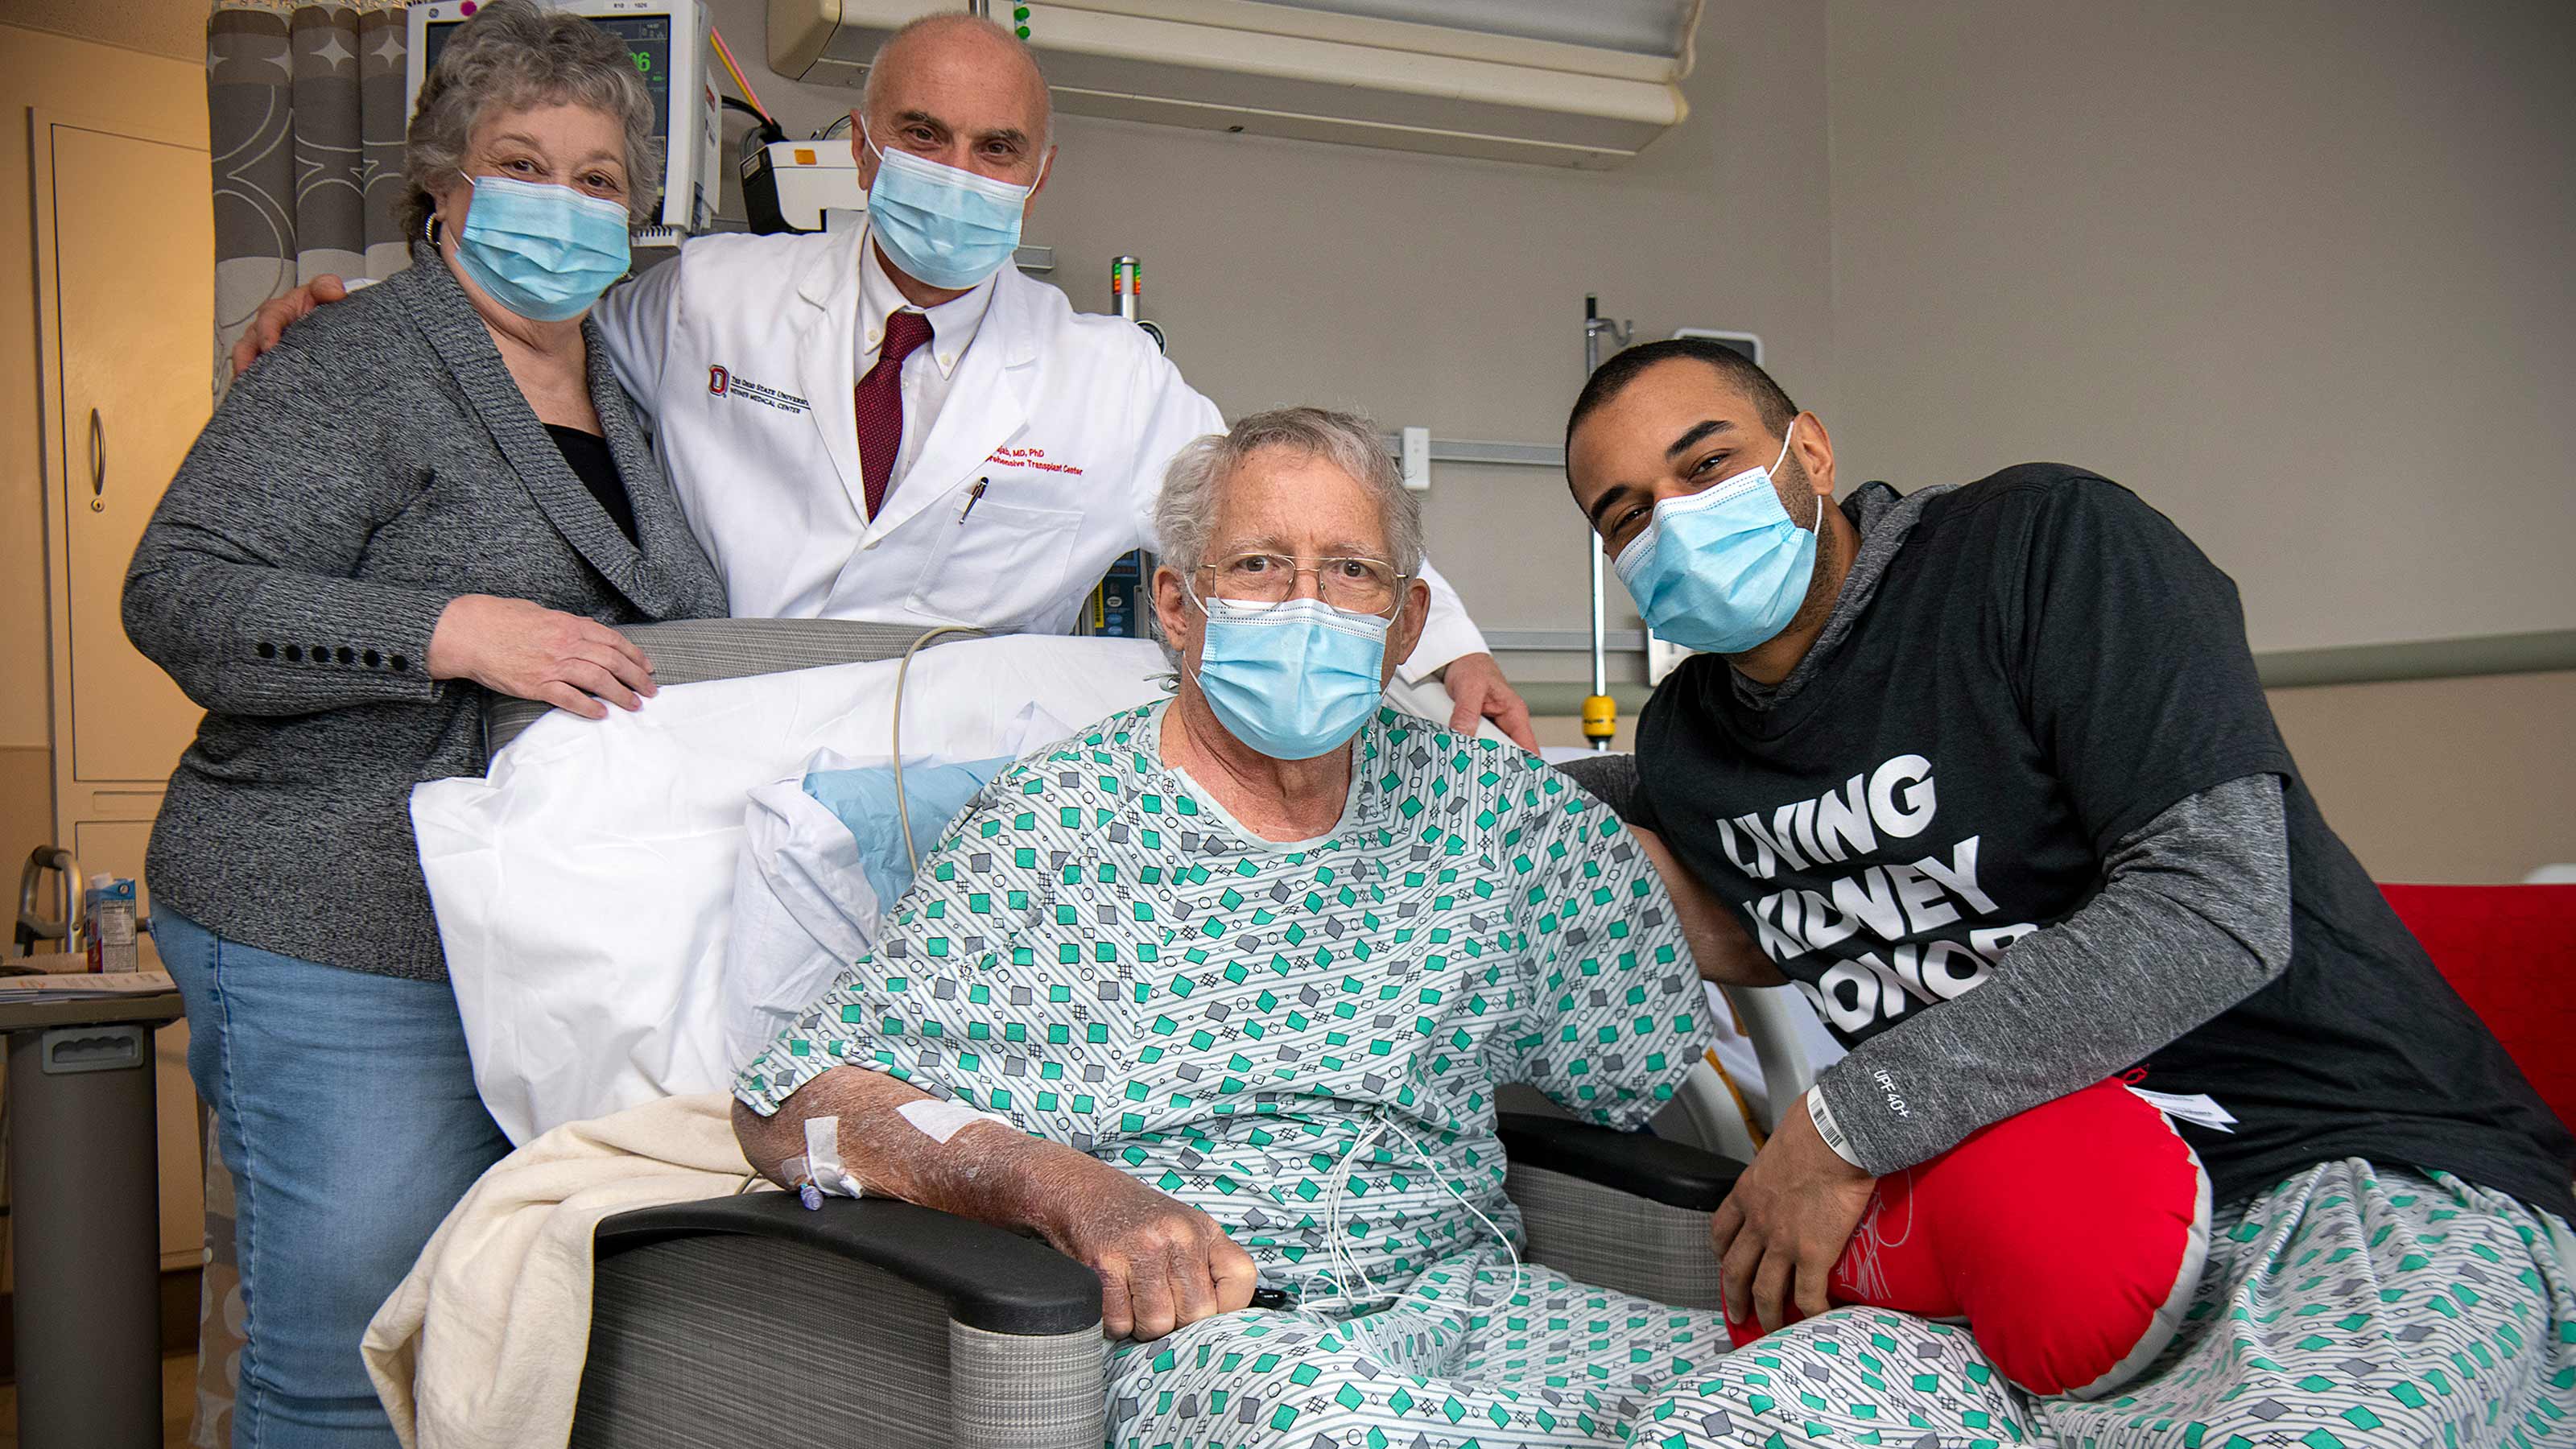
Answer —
883 1323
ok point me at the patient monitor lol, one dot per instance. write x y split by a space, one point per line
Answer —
670 43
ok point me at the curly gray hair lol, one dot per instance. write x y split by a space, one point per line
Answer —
1185 511
512 56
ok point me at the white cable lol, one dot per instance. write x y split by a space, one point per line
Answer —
1342 1263
1335 1234
1431 1165
903 671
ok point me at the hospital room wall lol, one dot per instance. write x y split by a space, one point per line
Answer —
2295 272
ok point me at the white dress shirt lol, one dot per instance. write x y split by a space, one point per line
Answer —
932 368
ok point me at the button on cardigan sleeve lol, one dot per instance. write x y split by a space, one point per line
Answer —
241 586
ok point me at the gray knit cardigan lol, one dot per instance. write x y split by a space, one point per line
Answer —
377 464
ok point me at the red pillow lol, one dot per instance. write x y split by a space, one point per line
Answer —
2069 1239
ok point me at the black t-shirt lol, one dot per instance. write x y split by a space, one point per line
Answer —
2049 664
588 456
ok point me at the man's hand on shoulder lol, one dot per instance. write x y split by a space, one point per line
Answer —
1779 1234
1477 686
275 315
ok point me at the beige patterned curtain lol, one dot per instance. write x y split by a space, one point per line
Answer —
305 118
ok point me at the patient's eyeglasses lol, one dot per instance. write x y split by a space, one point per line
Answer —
1361 585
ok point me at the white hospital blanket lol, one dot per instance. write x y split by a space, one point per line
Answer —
583 886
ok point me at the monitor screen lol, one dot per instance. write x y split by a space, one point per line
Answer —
648 43
647 39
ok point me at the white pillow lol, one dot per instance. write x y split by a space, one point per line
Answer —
805 902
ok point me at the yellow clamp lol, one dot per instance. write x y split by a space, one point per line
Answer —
1600 717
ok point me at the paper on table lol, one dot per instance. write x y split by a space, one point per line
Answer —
85 986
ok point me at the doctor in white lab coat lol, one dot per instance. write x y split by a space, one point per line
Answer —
1030 440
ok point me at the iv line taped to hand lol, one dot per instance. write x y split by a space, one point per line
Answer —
819 1170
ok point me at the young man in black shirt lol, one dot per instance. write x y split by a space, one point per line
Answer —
1986 771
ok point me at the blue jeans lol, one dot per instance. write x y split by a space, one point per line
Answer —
347 1113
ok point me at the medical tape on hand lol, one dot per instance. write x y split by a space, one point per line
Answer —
943 1120
820 1168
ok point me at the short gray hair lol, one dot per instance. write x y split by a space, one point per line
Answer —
1185 511
960 20
512 56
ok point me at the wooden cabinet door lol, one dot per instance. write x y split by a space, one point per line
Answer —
125 275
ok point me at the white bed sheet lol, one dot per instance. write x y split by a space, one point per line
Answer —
584 885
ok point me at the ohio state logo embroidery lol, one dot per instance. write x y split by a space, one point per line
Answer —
718 380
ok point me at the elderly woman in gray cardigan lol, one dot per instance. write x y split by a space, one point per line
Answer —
432 492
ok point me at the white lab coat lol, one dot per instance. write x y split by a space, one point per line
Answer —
742 351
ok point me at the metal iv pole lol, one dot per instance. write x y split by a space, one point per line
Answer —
1600 711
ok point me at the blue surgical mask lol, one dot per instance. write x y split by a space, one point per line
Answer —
1294 679
544 252
946 227
1724 569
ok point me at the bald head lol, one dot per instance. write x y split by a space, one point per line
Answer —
967 73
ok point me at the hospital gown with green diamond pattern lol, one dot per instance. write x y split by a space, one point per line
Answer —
1304 1041
1100 954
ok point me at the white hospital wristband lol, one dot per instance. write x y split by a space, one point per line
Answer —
1823 1117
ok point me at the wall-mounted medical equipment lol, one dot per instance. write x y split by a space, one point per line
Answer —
1663 656
1600 711
1127 295
1122 603
793 185
672 43
1508 80
1747 344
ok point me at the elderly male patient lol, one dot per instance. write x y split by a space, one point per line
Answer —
1236 976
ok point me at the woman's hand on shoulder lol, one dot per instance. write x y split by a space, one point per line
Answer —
528 651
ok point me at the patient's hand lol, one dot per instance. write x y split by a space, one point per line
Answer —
1162 1263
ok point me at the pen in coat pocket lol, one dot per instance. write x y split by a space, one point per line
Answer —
974 496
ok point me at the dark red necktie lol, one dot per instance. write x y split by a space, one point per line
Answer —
880 404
